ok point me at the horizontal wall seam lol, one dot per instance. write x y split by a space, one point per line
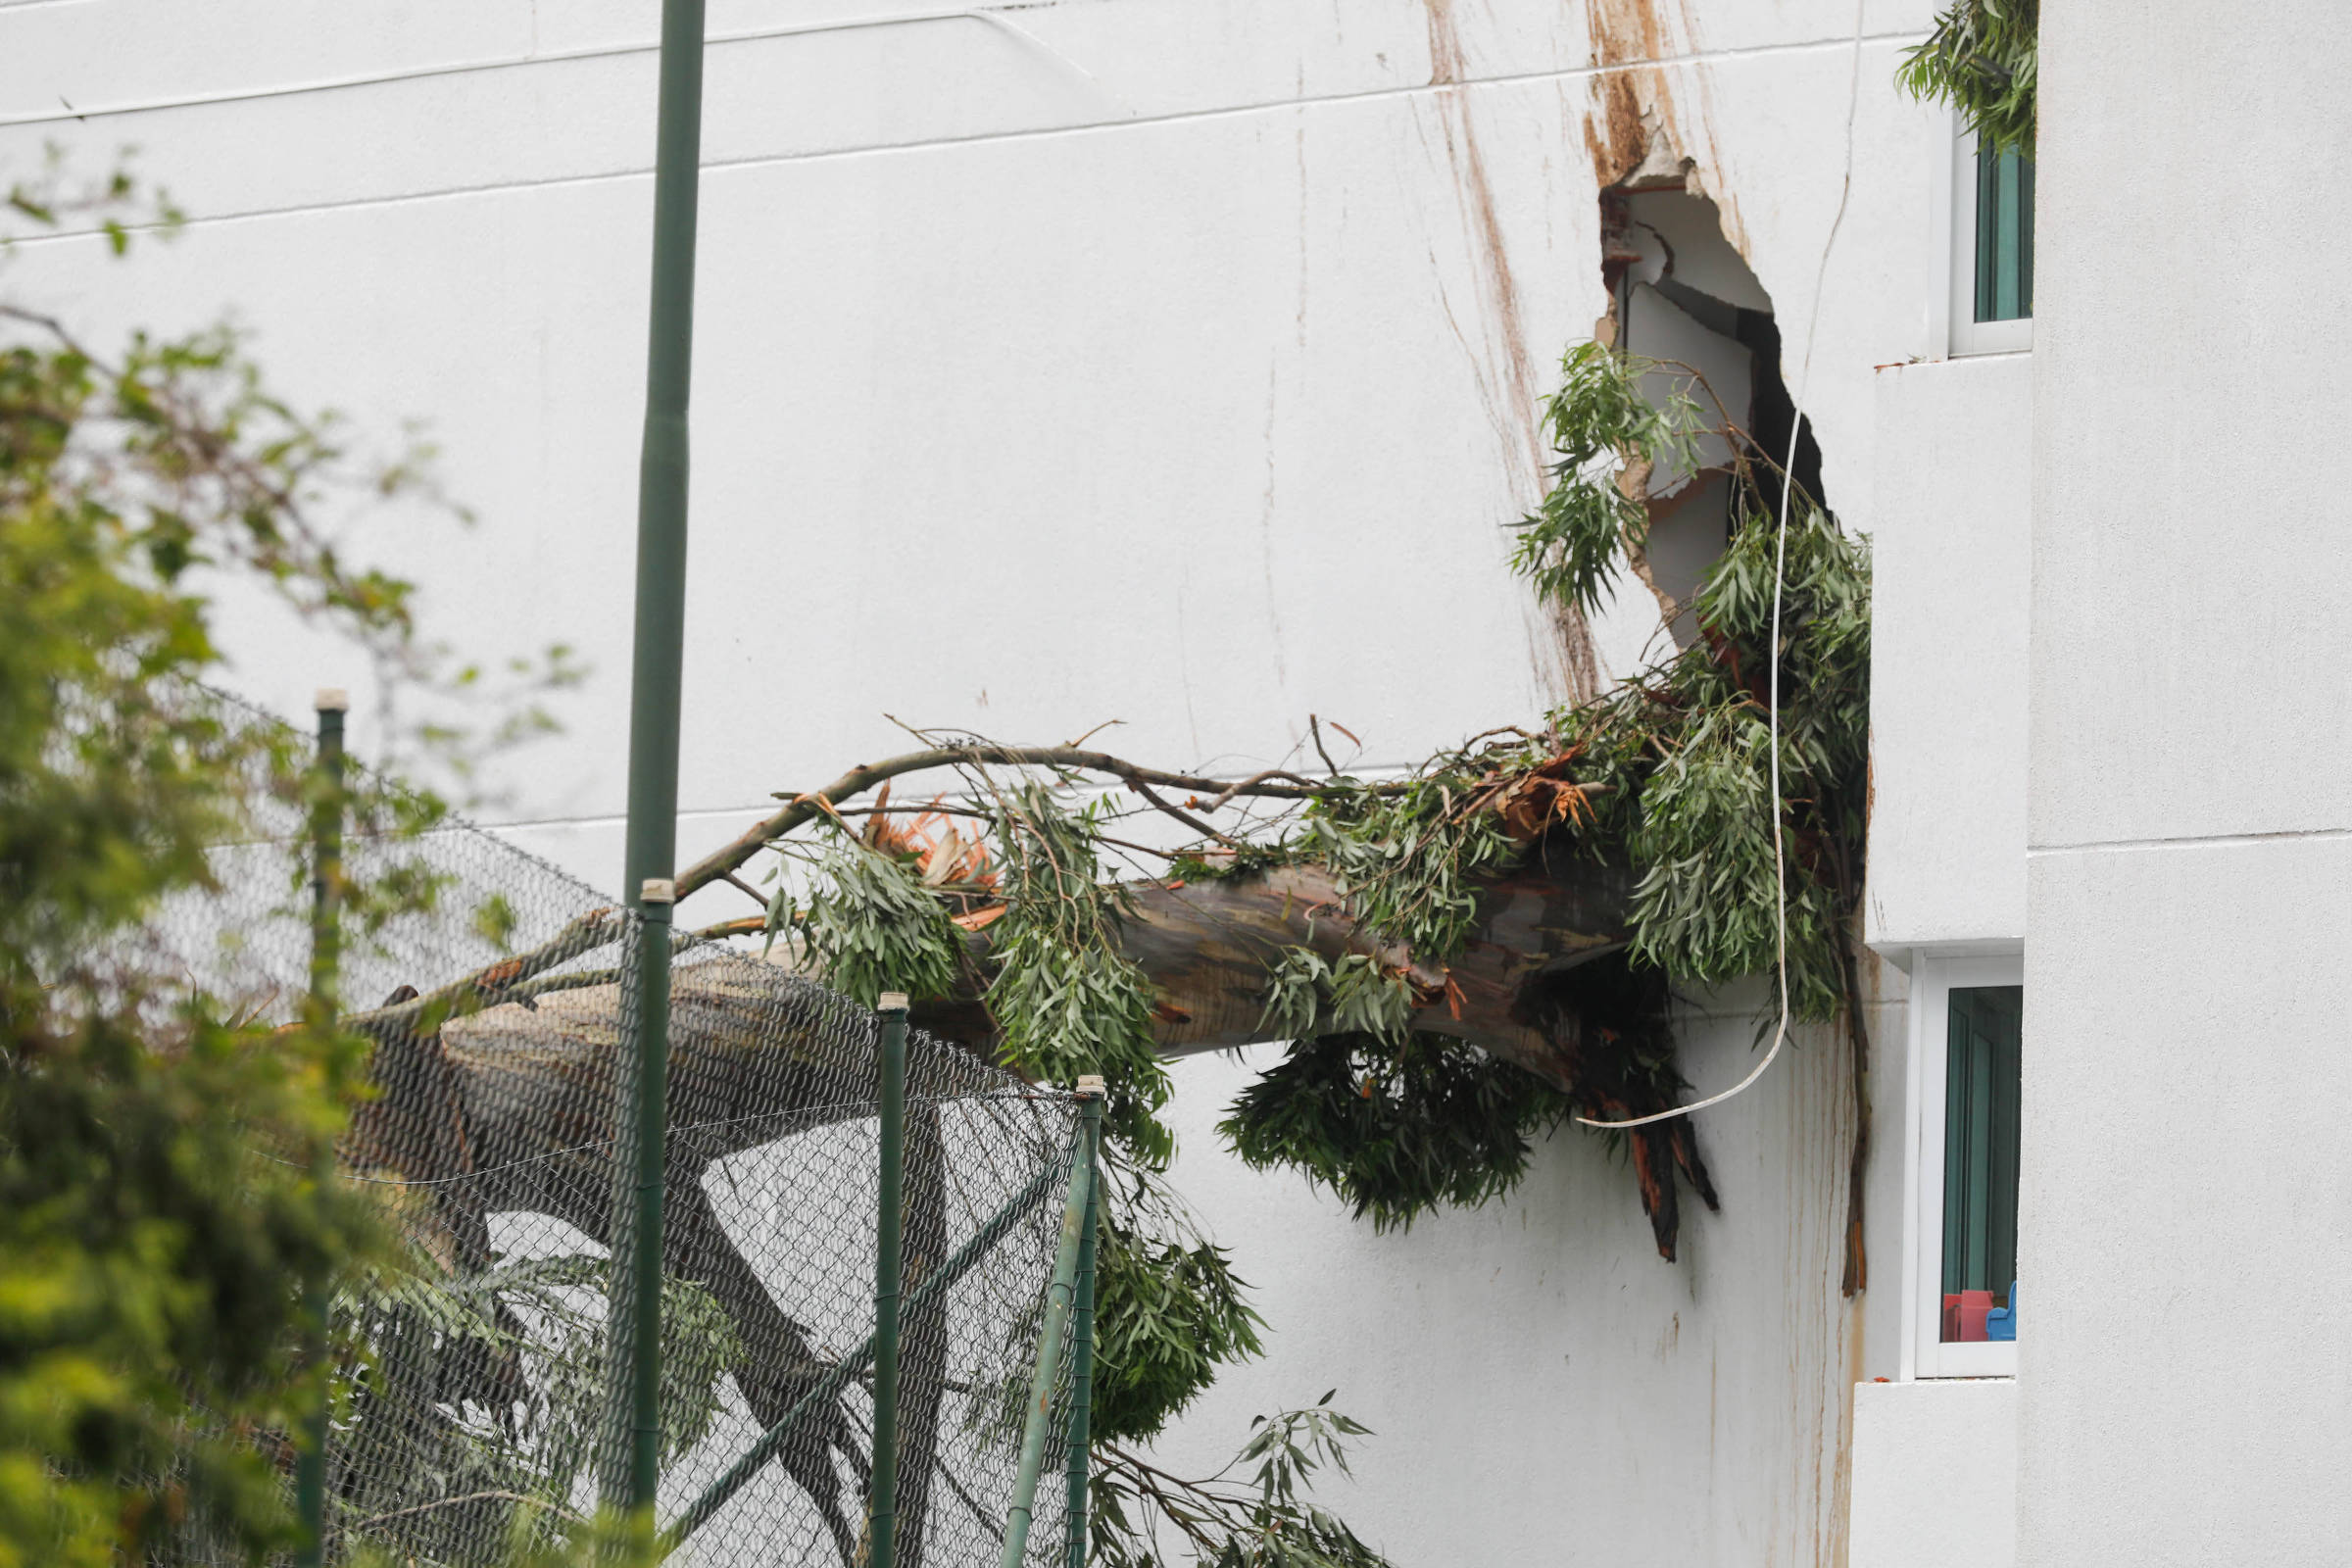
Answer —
2195 841
977 138
983 15
987 15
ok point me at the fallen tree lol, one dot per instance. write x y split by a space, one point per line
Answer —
1460 958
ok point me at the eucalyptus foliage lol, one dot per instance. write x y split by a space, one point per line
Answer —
873 925
1705 907
1307 993
1683 752
1983 57
1169 1313
1069 1002
1408 860
1574 546
1395 1129
1257 1512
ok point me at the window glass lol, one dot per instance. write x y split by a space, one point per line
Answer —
2004 236
1980 1163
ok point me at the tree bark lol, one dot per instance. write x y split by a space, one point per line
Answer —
525 1090
1207 945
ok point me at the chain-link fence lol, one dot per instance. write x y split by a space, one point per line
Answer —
475 1408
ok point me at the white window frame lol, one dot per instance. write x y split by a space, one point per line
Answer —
1924 1353
1953 326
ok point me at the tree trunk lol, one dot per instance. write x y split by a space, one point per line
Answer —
526 1091
1206 948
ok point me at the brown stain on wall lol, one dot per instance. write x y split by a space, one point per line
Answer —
1636 118
1628 90
1649 121
1506 374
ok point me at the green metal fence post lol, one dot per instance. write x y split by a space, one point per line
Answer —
655 902
1058 1296
1082 1333
657 661
326 952
887 1251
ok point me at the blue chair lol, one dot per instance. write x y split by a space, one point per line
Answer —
2001 1322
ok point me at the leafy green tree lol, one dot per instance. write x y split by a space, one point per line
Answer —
146 1314
157 1203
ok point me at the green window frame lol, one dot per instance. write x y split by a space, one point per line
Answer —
1980 1146
1962 1317
2004 248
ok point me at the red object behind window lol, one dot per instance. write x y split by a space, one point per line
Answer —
1964 1316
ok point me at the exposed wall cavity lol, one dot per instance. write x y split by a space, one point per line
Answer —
1681 294
1675 260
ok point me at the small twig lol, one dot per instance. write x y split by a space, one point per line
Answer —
1463 750
1314 730
1181 814
1140 849
1254 779
747 890
939 807
471 1497
750 925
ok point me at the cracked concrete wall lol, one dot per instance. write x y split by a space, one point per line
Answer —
1171 361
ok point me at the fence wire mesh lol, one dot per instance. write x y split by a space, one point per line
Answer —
473 1395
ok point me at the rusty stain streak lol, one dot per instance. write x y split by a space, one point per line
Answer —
1511 405
1634 122
1650 125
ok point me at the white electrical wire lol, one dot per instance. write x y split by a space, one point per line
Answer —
1780 556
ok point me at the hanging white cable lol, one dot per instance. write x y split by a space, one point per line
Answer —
1780 557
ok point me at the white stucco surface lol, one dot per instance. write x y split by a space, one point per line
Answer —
1543 1388
1951 563
2183 1376
1148 368
2186 1207
1934 1474
2188 349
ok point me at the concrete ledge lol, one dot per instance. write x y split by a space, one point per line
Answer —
1934 1474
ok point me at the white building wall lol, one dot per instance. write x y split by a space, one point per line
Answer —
2186 1213
1949 560
1168 361
1544 1389
1934 1474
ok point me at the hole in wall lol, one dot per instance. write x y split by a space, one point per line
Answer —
1681 292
